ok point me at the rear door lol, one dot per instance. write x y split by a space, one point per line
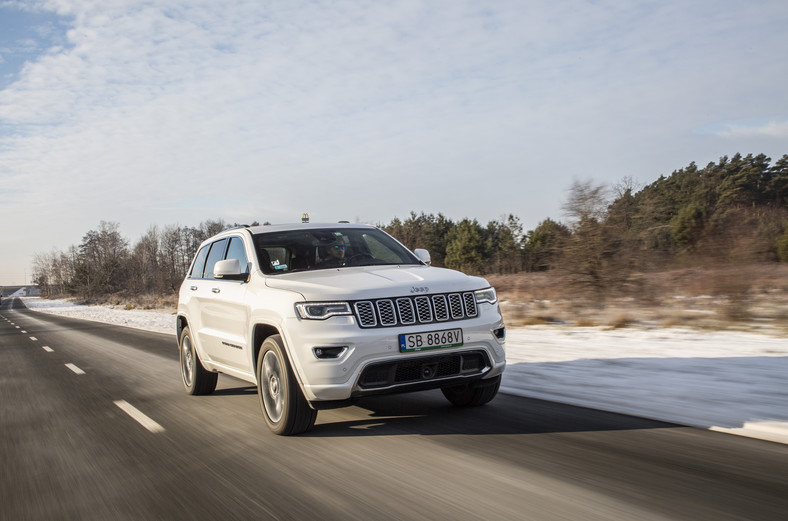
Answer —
192 295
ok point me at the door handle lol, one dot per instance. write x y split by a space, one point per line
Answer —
215 290
193 288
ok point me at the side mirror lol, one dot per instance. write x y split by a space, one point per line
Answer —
229 269
423 255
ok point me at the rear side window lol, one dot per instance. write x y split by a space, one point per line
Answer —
199 262
215 255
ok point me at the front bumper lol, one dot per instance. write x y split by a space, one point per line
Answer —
371 361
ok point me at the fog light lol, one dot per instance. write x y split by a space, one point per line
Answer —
500 333
325 353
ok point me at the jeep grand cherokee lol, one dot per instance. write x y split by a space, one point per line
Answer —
317 315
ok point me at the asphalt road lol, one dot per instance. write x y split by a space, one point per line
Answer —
72 448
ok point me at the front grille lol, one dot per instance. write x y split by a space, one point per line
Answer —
424 309
405 310
386 312
366 313
422 370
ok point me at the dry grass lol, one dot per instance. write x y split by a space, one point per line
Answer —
167 303
750 297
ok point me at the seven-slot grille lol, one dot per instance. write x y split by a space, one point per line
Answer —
424 309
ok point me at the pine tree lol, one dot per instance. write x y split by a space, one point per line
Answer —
465 251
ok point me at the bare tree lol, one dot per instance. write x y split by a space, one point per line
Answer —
587 249
102 256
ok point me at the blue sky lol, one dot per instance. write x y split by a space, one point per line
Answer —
160 112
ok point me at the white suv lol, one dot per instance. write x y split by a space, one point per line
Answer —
317 315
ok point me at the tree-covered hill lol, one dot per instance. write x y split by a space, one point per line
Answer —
733 211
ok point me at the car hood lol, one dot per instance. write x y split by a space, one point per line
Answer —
367 282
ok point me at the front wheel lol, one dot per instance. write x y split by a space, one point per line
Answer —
285 409
473 394
196 379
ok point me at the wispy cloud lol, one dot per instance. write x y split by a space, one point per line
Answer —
148 112
771 129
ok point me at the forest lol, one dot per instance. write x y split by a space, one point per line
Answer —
732 212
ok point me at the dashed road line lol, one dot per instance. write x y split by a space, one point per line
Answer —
139 417
123 405
76 369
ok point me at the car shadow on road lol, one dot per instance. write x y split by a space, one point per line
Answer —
430 414
235 391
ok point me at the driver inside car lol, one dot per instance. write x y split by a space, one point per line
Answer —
335 254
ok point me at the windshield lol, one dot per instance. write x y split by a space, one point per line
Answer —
315 249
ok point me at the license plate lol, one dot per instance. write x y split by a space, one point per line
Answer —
430 340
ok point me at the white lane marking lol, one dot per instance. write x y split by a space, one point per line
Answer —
48 349
139 416
33 338
76 369
23 332
17 327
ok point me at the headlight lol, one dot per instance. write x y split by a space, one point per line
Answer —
322 310
486 295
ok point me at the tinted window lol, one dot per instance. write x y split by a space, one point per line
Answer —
199 262
379 250
314 249
236 250
216 254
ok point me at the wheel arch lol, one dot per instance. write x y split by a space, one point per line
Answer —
260 333
180 325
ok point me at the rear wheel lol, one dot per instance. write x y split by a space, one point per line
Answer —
473 394
196 379
284 407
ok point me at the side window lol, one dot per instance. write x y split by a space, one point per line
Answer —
236 250
199 263
217 253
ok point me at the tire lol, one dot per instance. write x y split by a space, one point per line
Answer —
196 379
284 407
473 394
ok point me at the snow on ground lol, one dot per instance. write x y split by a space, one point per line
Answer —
160 322
726 381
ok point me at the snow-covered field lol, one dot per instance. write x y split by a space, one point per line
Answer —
726 381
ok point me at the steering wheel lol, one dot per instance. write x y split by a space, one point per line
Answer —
360 259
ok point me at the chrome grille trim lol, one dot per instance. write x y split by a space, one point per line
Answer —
365 313
470 304
405 309
423 309
441 307
455 305
386 312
